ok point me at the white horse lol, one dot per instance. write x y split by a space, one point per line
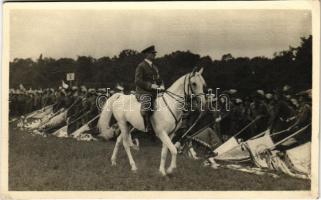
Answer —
165 120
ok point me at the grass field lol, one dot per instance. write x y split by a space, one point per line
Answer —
55 164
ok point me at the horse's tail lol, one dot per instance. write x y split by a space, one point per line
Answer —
105 116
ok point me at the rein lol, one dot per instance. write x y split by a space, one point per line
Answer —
171 111
176 97
179 99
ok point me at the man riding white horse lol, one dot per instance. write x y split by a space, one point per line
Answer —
165 120
147 80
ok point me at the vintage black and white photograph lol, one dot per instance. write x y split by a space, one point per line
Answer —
161 97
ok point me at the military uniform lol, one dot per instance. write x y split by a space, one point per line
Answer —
281 115
21 100
237 118
93 109
303 118
85 109
60 102
258 109
92 112
50 98
29 103
36 101
146 76
217 117
13 104
75 110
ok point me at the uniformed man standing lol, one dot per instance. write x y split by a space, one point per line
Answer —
14 109
258 112
304 114
60 100
29 101
147 81
302 119
237 116
20 102
74 110
92 104
92 112
283 114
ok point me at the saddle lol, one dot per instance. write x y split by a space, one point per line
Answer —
146 105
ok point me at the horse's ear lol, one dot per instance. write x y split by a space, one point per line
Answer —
194 71
201 70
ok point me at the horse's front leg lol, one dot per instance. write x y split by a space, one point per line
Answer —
115 151
168 143
163 160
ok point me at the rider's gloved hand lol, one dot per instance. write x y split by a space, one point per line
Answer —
154 86
161 88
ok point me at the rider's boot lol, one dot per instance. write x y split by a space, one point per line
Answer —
147 124
149 127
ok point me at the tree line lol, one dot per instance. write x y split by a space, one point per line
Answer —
292 67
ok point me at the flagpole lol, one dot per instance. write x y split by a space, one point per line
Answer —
290 136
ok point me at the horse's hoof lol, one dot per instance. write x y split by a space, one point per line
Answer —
136 148
134 169
113 163
215 165
162 172
170 170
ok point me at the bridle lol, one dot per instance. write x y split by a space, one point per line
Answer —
181 99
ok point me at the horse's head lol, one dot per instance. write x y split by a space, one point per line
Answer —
195 86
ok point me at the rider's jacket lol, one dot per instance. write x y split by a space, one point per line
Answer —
146 75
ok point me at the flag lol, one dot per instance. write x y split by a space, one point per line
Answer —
81 130
62 132
236 154
228 145
300 158
257 148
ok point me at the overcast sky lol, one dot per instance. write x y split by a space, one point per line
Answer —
69 33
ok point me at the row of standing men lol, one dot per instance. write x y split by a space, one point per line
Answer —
276 109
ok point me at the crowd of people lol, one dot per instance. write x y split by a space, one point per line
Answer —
275 111
79 102
247 116
22 101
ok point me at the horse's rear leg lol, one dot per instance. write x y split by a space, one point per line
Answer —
168 143
126 143
134 146
115 151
